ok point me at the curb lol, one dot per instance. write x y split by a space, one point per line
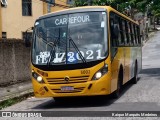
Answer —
11 100
151 34
14 95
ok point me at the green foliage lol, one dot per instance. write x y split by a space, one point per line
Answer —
155 8
7 103
103 2
80 3
94 2
152 6
12 101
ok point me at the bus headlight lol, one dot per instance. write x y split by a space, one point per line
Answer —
37 77
98 75
101 72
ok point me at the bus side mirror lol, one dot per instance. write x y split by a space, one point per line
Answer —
28 37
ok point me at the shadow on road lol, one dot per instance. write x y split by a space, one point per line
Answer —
82 102
152 72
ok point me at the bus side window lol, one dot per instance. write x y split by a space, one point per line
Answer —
117 24
127 35
138 35
121 31
135 34
113 38
124 32
131 34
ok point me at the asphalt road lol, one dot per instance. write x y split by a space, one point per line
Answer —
143 96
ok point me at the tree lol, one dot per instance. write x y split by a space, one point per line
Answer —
121 5
128 7
92 2
152 7
155 10
80 3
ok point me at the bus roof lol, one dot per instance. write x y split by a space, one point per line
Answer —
86 9
121 14
74 10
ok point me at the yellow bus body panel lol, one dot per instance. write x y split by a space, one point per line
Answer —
99 87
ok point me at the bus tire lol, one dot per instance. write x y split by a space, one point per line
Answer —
135 78
116 93
59 99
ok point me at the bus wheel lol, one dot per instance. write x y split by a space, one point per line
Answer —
135 78
116 93
59 99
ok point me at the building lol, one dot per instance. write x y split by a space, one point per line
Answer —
16 16
19 15
56 5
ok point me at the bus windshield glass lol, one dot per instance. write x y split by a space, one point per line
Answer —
70 39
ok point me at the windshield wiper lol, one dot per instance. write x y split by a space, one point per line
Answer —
52 45
52 54
78 51
53 51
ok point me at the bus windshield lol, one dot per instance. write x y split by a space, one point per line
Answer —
70 39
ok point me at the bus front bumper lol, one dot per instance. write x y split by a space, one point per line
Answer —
90 88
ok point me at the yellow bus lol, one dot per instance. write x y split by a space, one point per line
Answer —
84 51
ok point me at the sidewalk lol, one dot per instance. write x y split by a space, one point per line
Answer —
16 90
150 34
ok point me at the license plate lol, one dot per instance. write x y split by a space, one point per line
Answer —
67 88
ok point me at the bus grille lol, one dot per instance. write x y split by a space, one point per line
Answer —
80 89
79 79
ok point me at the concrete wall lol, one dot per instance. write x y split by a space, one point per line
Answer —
12 20
14 62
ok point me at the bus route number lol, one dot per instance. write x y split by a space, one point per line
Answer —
85 71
